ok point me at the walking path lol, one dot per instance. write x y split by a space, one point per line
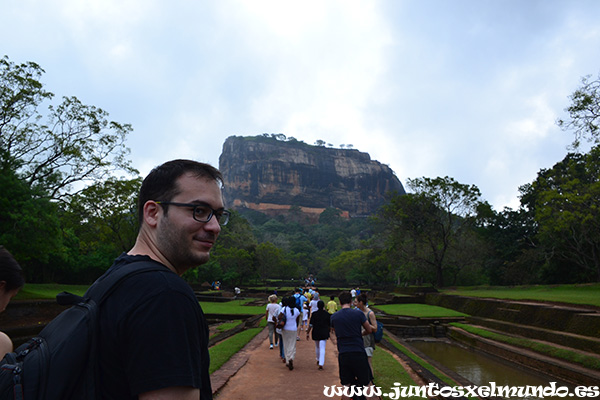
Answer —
256 372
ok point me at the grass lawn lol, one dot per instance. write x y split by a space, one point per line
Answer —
36 291
576 294
232 307
388 371
223 351
418 310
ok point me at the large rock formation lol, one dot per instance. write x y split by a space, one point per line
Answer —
271 175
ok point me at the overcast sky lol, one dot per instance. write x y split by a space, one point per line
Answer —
466 89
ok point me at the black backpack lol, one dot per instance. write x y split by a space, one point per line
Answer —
61 362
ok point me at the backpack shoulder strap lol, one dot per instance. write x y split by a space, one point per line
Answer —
118 273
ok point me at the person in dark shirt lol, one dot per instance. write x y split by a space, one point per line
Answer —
352 358
153 334
320 325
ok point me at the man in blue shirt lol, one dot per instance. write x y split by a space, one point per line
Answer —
348 324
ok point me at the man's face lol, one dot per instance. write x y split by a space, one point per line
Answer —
185 242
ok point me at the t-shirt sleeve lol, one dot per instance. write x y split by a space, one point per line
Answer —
163 343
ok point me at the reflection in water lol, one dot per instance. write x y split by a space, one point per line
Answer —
481 369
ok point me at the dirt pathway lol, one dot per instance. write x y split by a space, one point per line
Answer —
261 373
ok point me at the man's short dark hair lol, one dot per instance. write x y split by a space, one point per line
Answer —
161 182
345 298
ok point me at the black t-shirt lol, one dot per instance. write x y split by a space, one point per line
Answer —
153 335
347 323
319 320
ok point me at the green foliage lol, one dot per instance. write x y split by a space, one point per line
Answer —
42 154
584 112
105 212
431 233
77 143
565 202
29 226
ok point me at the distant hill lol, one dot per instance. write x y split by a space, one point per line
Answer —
270 175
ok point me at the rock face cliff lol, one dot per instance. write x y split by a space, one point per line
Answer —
271 175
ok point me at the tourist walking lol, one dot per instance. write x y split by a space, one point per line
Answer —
290 329
352 358
331 305
279 331
271 315
368 340
320 326
152 333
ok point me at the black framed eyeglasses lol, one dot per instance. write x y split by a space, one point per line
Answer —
202 212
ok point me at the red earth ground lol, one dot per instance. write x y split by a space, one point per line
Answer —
257 373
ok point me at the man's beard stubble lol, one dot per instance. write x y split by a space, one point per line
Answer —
176 246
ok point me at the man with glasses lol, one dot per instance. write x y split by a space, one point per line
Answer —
153 334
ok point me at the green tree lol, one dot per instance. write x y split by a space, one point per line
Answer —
515 251
76 143
233 254
271 261
584 112
426 227
29 227
565 202
105 213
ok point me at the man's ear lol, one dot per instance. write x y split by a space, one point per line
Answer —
152 211
2 286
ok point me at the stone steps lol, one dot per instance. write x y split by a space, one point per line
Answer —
559 338
590 354
556 367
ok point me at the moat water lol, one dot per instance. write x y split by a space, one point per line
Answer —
482 369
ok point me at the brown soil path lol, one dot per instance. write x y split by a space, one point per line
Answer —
257 372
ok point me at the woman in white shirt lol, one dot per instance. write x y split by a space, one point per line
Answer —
290 329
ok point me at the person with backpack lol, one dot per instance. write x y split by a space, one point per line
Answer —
289 331
368 340
11 281
348 324
153 336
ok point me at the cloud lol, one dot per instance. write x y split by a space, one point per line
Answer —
434 88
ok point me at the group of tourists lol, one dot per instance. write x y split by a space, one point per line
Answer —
353 325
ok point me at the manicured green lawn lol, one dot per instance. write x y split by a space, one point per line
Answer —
232 307
418 310
221 352
35 291
388 371
576 294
